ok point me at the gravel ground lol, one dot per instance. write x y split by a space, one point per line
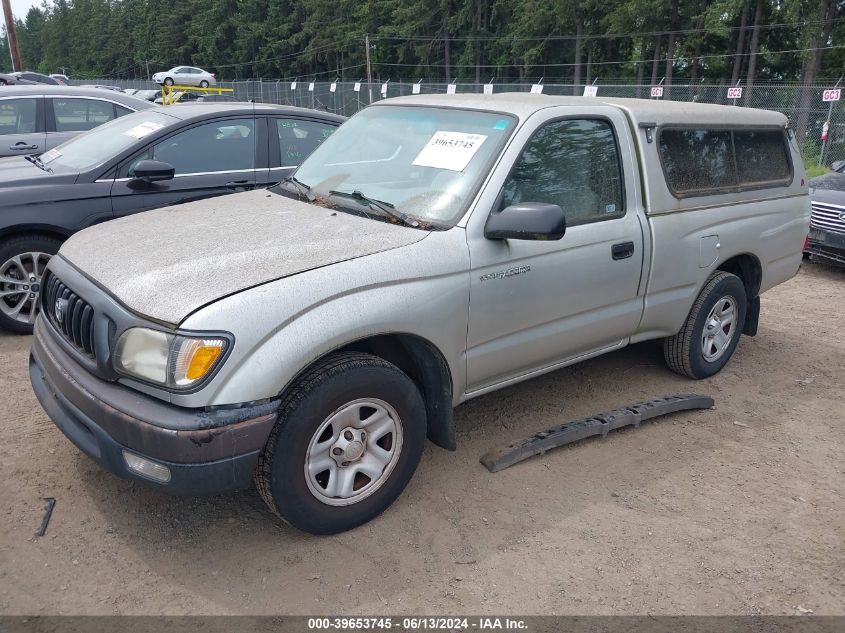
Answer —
736 510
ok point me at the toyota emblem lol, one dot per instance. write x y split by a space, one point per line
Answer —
842 216
59 310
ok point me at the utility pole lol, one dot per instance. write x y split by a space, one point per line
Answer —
13 38
827 122
369 67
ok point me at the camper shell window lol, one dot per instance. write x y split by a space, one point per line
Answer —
704 161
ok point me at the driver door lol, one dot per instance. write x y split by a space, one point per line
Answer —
535 305
210 159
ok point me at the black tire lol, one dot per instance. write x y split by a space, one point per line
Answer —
203 84
168 81
684 352
333 383
10 248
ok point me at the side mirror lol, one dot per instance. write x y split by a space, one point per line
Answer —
526 221
153 171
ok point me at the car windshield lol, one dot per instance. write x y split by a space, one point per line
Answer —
92 149
425 162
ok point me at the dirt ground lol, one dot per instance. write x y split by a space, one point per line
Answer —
736 510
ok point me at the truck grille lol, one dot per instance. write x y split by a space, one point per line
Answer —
828 217
69 314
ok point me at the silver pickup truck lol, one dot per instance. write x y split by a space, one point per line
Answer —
435 248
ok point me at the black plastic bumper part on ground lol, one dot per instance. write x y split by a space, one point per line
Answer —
601 424
207 454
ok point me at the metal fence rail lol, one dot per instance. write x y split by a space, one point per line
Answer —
803 105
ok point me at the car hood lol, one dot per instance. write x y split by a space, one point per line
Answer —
828 188
167 263
16 171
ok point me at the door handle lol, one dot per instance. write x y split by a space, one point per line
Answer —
240 184
20 147
623 250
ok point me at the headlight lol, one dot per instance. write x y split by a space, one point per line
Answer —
171 360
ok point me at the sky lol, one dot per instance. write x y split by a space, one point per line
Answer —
20 7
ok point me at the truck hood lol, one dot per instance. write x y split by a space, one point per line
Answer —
167 263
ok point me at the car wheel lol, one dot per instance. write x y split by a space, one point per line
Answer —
22 262
349 436
168 81
203 84
711 332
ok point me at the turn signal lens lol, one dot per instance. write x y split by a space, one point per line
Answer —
195 358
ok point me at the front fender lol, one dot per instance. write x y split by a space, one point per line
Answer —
283 326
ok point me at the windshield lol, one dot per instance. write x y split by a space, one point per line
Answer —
94 148
427 163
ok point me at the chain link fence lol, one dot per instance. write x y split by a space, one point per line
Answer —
803 105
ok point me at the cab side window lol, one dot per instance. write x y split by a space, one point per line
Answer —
219 146
573 163
298 138
18 116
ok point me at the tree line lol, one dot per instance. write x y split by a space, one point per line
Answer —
571 41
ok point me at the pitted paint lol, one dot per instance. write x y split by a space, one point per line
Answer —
167 263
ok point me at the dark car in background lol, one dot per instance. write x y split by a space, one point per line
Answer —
11 80
39 78
154 158
147 95
826 241
34 119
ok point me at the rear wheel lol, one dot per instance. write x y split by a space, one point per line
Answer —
203 84
349 436
22 262
711 332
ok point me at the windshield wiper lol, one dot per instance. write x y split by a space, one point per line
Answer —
384 207
38 163
304 189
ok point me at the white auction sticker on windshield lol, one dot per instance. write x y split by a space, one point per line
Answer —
144 129
449 150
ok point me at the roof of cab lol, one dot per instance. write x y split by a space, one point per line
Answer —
524 104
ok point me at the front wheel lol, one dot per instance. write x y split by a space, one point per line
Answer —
348 439
23 259
168 81
711 332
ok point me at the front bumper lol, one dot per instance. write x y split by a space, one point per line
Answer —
826 246
206 451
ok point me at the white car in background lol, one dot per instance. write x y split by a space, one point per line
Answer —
185 76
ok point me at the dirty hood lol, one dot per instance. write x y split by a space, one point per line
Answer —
169 262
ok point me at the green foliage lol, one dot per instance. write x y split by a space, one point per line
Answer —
813 170
432 39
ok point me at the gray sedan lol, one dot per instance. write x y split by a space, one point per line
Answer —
34 119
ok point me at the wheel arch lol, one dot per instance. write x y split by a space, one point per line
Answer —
45 230
748 268
750 271
423 362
